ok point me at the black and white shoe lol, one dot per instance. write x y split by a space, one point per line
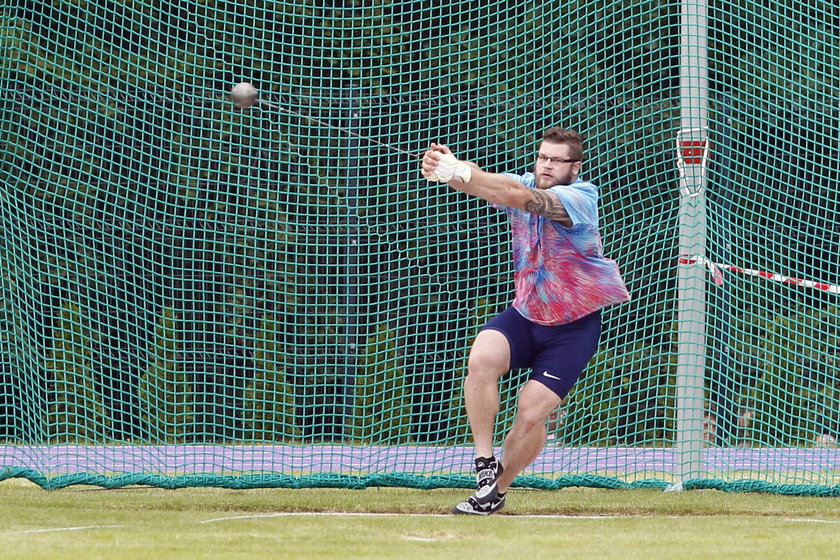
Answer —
487 473
486 499
473 507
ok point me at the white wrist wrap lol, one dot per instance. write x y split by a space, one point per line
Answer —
449 168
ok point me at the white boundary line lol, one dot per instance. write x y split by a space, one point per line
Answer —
830 521
359 514
524 516
356 514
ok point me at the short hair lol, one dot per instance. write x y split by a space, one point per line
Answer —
558 135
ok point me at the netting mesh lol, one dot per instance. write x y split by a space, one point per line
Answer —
194 294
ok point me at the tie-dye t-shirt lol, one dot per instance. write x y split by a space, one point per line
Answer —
560 273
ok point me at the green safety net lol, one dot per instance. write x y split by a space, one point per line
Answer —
195 294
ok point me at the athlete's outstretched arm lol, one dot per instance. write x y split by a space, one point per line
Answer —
493 187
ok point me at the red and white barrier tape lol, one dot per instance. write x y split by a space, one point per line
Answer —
716 270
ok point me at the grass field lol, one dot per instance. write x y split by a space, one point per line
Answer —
140 522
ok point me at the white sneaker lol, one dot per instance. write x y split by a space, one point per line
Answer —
473 507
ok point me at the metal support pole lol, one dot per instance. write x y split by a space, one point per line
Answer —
691 281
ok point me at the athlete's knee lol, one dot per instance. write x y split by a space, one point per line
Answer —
531 417
536 403
484 366
489 356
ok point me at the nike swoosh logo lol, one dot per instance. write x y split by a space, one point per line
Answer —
546 374
496 504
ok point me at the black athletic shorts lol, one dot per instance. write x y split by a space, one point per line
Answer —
557 355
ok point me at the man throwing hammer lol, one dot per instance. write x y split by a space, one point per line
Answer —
562 281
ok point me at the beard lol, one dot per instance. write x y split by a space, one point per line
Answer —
548 182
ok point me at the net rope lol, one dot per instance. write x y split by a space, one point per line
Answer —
199 295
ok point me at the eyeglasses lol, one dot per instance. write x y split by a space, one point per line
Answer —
542 158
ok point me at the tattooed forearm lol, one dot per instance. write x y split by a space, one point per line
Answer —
548 205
